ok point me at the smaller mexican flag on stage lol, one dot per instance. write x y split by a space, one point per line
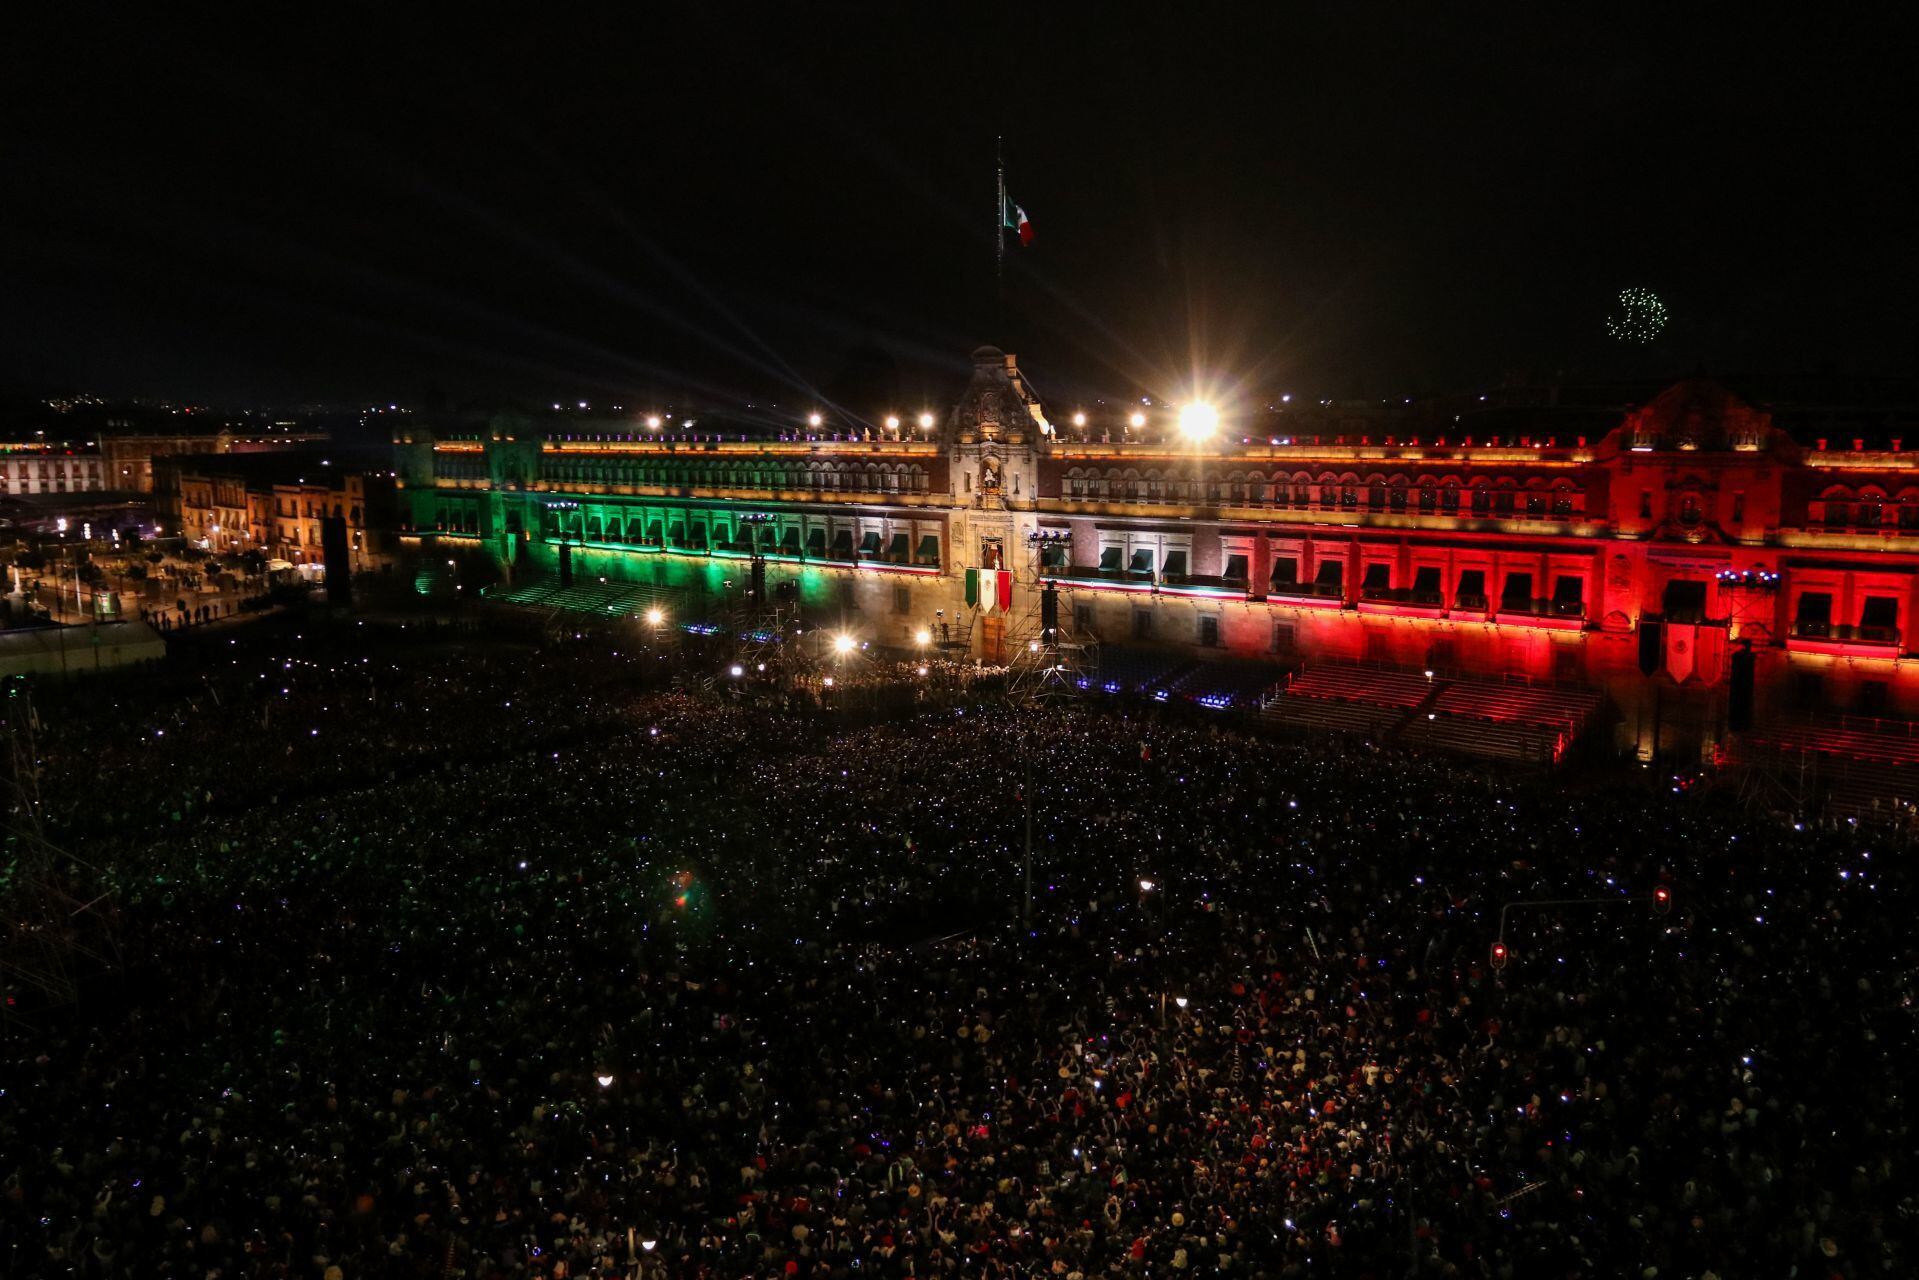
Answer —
989 590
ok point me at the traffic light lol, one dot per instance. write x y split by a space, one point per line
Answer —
1661 900
1499 955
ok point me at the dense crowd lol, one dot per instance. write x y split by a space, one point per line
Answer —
467 959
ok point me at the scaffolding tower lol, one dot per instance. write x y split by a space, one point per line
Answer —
1047 657
765 622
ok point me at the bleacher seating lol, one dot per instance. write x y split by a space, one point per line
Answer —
586 595
1863 769
1542 705
1843 741
1496 740
1223 686
1872 789
1332 715
1141 671
1402 689
1489 719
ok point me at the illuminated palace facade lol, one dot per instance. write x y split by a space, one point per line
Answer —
1636 561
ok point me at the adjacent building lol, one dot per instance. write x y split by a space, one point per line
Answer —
273 502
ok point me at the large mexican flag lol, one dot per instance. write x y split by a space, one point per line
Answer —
989 590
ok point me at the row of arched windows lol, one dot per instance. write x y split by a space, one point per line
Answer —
1868 507
1327 491
766 474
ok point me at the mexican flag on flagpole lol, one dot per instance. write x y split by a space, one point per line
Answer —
1015 219
990 590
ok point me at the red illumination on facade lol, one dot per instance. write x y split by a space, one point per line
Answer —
1630 563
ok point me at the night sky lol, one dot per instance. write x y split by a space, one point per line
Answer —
351 204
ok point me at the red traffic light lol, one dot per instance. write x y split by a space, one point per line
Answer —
1499 955
1661 900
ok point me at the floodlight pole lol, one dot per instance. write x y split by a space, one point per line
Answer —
999 229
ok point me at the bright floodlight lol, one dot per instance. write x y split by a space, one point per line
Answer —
843 644
926 422
814 419
1079 419
653 422
655 616
892 422
1198 421
922 636
1139 419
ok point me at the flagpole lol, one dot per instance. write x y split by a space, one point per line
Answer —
999 232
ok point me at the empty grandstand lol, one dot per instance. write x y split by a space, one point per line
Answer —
610 599
1848 766
1526 723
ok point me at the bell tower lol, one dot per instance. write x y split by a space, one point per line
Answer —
992 439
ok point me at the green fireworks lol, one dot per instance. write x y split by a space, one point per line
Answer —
1640 317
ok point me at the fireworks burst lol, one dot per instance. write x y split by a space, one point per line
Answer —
1640 317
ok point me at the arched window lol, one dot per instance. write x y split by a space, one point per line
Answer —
1375 492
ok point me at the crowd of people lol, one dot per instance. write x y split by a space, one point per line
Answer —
506 961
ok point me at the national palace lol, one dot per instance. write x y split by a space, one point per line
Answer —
1638 562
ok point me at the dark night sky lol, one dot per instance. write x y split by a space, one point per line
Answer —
354 204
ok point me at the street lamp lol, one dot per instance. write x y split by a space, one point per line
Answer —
1199 421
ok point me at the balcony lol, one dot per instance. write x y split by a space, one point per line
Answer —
1324 595
1403 602
1810 635
1554 615
1203 584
